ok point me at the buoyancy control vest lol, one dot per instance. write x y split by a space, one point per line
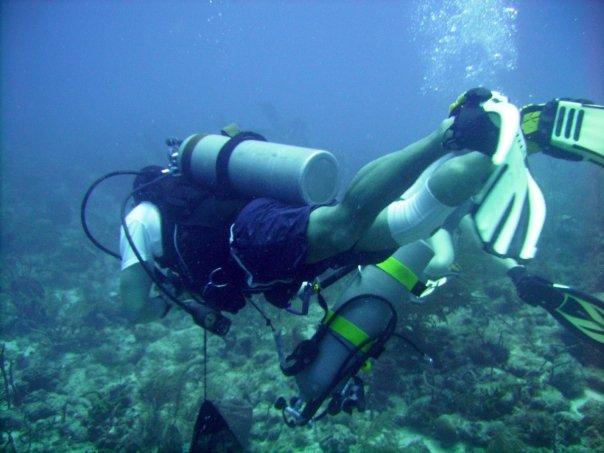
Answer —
195 227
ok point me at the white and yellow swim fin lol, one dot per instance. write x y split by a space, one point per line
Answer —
570 129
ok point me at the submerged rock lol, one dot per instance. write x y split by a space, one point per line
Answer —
340 439
595 379
592 411
445 430
171 441
537 428
38 410
418 414
479 433
417 446
568 378
505 441
11 420
549 399
489 353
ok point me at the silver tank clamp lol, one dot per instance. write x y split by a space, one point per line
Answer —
351 397
173 145
292 412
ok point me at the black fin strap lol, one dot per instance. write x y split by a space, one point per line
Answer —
166 311
223 184
305 353
307 350
323 305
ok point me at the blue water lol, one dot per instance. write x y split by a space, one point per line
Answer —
95 85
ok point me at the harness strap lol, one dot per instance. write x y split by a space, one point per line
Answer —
404 275
223 184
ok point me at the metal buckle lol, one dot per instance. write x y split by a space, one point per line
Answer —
431 286
305 293
211 279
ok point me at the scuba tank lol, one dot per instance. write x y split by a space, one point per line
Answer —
356 330
248 165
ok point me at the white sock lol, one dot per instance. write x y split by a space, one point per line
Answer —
417 217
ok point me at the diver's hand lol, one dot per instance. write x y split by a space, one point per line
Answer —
535 290
472 128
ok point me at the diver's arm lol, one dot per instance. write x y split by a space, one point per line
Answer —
135 286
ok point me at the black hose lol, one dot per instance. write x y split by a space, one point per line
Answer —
150 272
192 310
336 275
85 205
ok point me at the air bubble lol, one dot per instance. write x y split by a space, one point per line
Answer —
465 42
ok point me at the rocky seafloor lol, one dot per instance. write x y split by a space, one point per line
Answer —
77 377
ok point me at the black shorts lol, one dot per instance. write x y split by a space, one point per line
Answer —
269 241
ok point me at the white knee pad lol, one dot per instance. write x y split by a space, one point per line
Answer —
417 217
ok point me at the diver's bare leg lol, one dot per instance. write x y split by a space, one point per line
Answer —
334 229
451 184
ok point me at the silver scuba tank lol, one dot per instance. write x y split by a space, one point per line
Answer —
367 306
254 167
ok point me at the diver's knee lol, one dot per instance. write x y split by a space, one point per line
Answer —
343 232
417 217
460 178
331 230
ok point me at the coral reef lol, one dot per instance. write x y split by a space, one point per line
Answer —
76 376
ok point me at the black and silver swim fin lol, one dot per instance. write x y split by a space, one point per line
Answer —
581 312
576 310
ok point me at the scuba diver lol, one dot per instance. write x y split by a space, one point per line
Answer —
506 215
234 215
226 247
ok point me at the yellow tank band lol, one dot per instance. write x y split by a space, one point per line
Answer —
367 367
348 330
401 274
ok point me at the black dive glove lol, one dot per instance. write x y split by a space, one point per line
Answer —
472 128
535 290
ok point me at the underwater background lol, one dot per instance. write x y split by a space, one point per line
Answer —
88 87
